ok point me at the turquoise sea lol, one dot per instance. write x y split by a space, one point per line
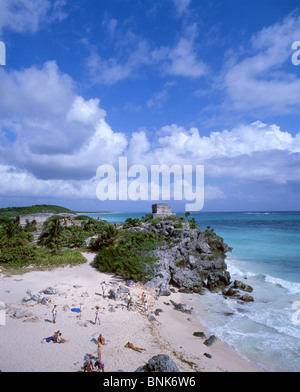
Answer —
266 252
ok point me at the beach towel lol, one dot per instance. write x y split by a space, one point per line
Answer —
48 340
76 310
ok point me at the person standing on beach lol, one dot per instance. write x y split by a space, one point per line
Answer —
101 339
99 349
97 315
103 288
145 304
54 313
127 300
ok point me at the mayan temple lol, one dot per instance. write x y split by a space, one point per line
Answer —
161 211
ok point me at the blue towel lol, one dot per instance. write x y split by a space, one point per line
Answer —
77 310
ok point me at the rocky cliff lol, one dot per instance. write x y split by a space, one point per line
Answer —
190 259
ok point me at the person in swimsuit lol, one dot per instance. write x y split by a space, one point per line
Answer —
99 350
130 345
101 339
97 315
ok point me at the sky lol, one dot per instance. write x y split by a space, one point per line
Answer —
208 83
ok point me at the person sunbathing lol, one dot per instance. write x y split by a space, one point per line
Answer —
130 345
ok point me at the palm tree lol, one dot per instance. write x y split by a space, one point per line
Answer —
110 236
13 235
52 234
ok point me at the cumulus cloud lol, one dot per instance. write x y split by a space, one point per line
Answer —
52 141
49 130
259 80
184 61
19 182
257 151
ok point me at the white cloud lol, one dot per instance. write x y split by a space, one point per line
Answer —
50 131
182 6
260 79
255 152
184 62
28 15
131 53
16 183
53 140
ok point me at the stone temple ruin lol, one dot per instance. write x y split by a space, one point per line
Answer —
161 211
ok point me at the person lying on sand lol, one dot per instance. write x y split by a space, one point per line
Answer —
130 345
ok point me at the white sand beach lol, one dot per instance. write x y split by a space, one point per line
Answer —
23 344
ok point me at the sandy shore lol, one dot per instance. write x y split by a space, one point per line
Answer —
24 349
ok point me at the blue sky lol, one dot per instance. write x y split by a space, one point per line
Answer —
187 82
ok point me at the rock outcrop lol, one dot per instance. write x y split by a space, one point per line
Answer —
190 259
159 363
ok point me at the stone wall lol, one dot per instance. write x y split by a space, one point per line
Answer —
161 211
40 218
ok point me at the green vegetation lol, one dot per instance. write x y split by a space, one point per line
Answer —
18 249
11 212
129 256
124 250
32 255
110 236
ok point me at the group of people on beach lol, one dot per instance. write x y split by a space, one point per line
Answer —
95 364
92 365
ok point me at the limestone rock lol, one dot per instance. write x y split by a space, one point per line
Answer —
159 363
210 340
247 298
237 284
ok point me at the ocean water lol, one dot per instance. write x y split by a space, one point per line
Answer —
266 255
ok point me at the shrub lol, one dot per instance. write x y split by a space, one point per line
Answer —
18 256
124 262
